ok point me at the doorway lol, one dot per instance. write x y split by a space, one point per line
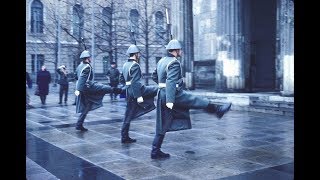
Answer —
260 27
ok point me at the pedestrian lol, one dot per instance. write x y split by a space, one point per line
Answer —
43 81
113 74
64 83
28 86
89 93
173 103
139 98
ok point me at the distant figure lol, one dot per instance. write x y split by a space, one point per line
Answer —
28 86
43 80
64 83
113 74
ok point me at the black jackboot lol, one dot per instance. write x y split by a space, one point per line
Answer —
79 125
220 110
125 134
156 153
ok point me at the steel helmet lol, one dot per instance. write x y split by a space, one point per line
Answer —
132 49
85 54
174 44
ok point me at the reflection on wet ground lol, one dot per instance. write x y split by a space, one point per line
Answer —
242 145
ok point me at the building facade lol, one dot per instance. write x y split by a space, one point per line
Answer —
238 45
58 31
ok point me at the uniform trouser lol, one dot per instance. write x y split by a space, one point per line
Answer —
113 95
157 142
83 115
43 98
131 108
63 90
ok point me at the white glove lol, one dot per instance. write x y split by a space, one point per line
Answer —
140 99
169 105
77 93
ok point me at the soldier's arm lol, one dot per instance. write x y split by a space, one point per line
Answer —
172 79
83 78
135 72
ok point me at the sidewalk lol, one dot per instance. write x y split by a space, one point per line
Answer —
242 145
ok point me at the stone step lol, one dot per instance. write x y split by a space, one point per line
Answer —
276 104
257 102
264 109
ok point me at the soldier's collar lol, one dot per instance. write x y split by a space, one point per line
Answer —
170 55
131 60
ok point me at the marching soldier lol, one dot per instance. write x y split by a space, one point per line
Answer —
89 93
140 98
173 103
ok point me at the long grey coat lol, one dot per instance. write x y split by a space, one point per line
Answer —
90 91
131 72
169 72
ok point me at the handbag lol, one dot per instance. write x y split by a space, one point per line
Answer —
37 92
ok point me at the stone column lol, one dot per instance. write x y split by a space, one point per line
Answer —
287 46
182 30
230 62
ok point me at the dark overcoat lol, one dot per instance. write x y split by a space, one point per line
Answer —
168 75
130 77
43 80
90 91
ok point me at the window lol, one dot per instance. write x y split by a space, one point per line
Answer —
157 59
160 31
78 21
75 65
106 22
37 60
36 17
134 21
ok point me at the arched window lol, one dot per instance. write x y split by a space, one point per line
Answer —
134 21
36 17
106 22
159 26
78 21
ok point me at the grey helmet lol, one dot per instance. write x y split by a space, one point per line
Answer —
132 49
174 44
85 54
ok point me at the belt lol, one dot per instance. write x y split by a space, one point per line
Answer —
163 85
128 83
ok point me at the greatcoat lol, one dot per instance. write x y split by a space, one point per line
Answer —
168 75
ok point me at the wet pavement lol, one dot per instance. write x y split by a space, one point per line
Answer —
241 145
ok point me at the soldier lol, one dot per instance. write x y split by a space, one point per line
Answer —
140 98
89 93
173 103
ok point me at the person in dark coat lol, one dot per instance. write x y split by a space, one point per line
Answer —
173 103
139 98
113 73
28 86
89 93
64 83
43 81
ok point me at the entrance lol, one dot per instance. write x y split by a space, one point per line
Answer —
260 27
